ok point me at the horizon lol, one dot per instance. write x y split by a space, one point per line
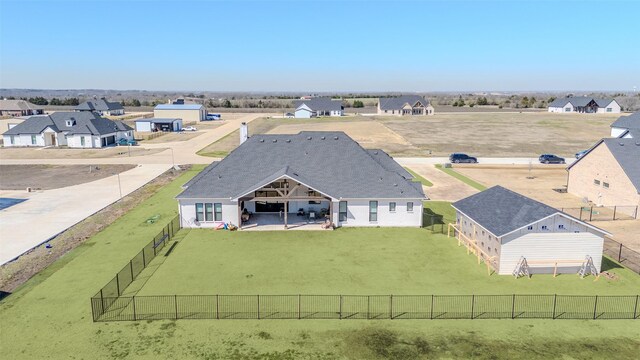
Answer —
355 47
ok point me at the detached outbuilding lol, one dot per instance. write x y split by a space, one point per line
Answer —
186 112
158 124
505 228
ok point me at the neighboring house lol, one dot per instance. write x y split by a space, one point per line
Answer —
72 129
318 106
19 108
158 124
627 126
609 174
102 107
322 172
584 104
507 226
404 105
186 112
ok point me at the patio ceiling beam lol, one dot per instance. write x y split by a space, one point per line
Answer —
285 198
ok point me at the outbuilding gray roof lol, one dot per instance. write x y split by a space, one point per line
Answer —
85 122
320 104
329 162
18 105
502 211
628 122
580 101
398 102
99 105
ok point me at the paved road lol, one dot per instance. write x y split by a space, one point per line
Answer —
481 161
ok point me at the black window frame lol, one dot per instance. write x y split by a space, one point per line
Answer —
342 215
208 212
200 213
410 206
392 206
217 212
373 211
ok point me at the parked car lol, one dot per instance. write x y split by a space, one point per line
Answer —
462 158
550 159
289 115
125 142
580 154
213 116
189 128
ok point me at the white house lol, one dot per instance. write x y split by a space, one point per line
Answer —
158 124
507 227
583 104
318 106
406 105
626 126
309 176
71 129
102 107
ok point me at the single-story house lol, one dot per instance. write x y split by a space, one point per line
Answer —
19 108
318 106
73 129
186 112
288 178
609 174
626 126
508 227
584 104
102 107
404 105
158 124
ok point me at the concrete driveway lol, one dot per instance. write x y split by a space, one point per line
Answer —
445 187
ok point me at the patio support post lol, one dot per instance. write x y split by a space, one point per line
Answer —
286 210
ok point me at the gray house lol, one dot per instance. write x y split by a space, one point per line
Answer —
102 107
318 106
626 126
72 129
404 105
584 104
292 180
506 227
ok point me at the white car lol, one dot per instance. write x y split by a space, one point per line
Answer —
189 128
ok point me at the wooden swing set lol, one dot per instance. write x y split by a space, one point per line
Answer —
471 245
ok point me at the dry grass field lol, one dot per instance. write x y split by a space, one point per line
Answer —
52 153
496 134
45 177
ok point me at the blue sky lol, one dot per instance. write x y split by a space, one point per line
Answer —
320 45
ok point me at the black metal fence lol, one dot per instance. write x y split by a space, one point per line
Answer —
115 288
603 213
622 254
175 307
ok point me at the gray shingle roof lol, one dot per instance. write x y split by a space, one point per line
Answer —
320 104
396 103
329 162
627 153
579 101
502 211
99 105
85 123
18 105
387 162
628 122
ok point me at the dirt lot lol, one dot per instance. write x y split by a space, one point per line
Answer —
45 177
496 134
51 153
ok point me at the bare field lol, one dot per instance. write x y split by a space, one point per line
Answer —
498 134
52 153
45 177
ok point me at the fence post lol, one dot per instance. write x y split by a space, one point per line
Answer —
154 245
591 214
298 306
580 217
175 301
391 307
340 314
217 308
118 283
473 303
131 267
431 315
144 261
635 309
133 301
636 214
102 302
614 211
513 307
553 316
595 307
620 253
368 307
258 297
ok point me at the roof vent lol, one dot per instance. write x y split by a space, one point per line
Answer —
288 140
638 144
375 153
275 140
308 137
395 184
219 176
380 179
261 140
621 144
335 138
322 138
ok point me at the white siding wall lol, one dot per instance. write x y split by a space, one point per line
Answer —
188 212
143 126
615 108
303 113
358 213
615 131
551 246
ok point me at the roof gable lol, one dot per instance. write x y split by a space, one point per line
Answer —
320 104
628 122
398 102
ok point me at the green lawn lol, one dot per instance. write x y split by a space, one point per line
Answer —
50 316
461 177
419 178
440 208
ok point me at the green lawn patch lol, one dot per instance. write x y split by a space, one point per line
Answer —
419 178
461 177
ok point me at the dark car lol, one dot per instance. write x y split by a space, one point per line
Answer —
462 158
550 159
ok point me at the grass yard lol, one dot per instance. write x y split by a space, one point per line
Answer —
419 178
474 184
50 316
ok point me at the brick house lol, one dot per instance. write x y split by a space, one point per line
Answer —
608 174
